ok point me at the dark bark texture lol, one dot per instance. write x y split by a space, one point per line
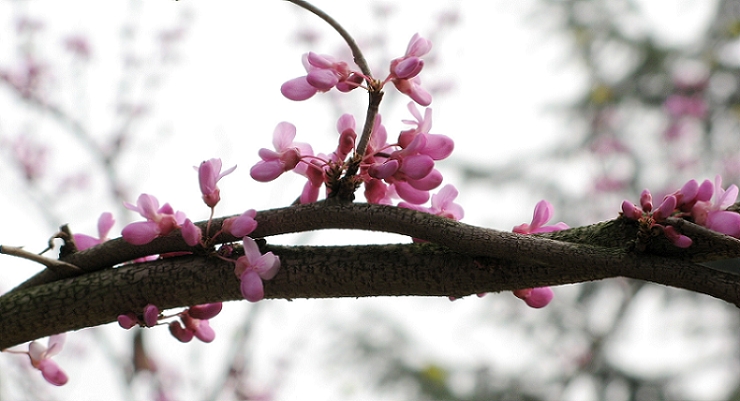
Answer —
459 260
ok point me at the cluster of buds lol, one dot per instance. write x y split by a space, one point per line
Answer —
325 72
705 204
194 321
405 168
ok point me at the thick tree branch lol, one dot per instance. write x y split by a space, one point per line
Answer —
473 260
318 272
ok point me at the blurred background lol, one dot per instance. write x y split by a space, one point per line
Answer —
580 102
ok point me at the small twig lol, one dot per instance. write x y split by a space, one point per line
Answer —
348 185
356 53
55 265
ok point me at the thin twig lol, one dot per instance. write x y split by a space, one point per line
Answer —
57 266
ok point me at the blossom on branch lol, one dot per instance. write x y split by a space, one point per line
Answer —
41 359
541 296
324 73
195 323
254 267
105 223
705 204
159 221
209 173
284 158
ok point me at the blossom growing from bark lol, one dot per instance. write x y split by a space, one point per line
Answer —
714 215
254 267
324 73
242 225
191 233
541 296
535 297
209 173
105 223
195 323
41 359
159 221
405 70
284 158
542 214
148 318
705 204
442 204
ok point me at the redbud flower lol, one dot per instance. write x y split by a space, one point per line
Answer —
160 221
195 323
324 73
242 225
41 359
209 173
151 315
205 311
286 156
191 233
442 204
541 296
681 199
254 267
404 70
714 215
535 297
105 223
148 318
542 214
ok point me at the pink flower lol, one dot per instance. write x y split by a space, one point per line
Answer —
677 201
41 359
542 214
242 225
286 156
105 223
714 215
191 233
405 70
324 73
195 323
254 267
442 204
541 296
535 297
436 146
148 318
209 173
205 311
160 221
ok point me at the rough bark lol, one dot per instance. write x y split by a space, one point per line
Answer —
469 260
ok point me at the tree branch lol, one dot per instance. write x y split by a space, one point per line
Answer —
318 272
472 260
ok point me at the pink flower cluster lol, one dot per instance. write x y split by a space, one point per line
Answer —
705 204
194 321
163 220
159 221
541 296
405 168
326 72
